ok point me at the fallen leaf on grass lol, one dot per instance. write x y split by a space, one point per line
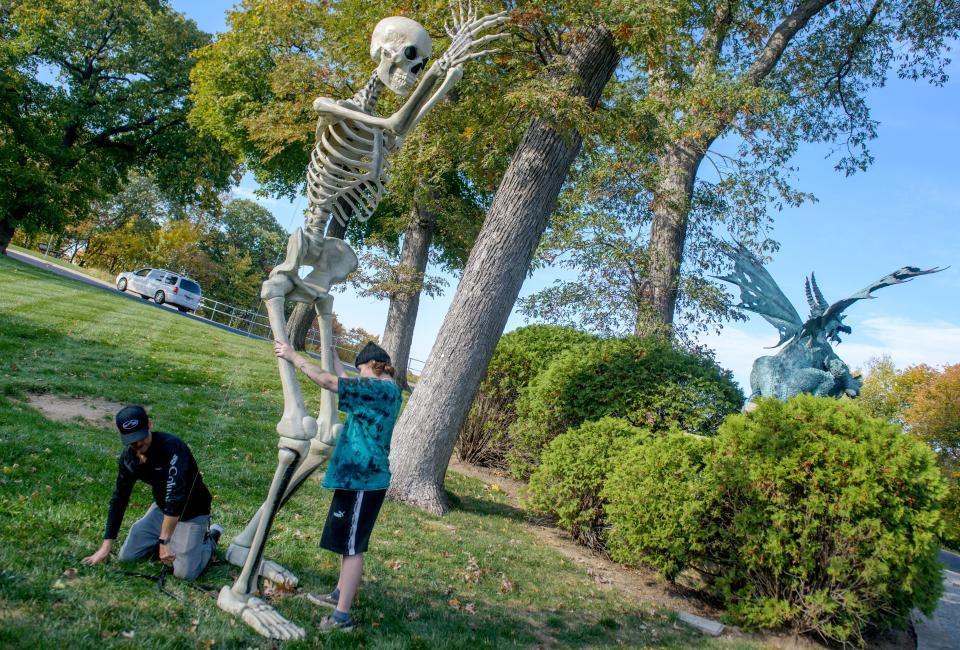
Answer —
412 616
59 584
129 634
193 625
393 564
70 573
506 584
273 589
455 603
470 608
208 643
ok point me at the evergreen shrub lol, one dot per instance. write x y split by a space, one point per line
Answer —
520 356
808 514
645 381
653 506
572 472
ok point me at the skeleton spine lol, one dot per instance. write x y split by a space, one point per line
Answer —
325 175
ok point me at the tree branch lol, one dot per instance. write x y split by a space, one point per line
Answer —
713 38
780 39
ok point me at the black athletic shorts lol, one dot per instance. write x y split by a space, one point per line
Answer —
350 520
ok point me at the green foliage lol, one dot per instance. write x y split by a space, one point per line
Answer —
653 508
694 74
808 514
223 399
519 357
925 402
572 473
91 91
646 381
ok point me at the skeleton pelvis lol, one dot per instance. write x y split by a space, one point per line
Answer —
332 261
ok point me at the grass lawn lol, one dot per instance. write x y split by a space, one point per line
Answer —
474 579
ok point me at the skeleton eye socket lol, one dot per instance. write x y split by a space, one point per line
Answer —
410 52
417 68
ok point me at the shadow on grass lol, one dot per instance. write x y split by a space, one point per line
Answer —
484 507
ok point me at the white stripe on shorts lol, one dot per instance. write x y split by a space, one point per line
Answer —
351 543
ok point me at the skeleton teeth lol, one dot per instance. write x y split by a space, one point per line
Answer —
401 79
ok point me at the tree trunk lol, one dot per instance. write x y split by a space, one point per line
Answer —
7 229
302 315
671 206
402 314
426 433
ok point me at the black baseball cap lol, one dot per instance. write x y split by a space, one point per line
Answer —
371 352
132 423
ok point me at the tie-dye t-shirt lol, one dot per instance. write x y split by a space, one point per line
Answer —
360 460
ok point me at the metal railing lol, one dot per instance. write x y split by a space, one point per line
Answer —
257 324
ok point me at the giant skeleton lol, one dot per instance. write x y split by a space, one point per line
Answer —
345 179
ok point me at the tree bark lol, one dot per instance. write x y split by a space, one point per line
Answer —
302 315
7 229
668 231
680 160
404 304
426 433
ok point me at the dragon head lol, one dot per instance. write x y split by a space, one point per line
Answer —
834 327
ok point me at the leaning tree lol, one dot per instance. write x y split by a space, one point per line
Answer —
578 70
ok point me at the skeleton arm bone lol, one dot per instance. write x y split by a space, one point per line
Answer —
453 76
398 123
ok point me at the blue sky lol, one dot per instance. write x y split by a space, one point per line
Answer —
904 210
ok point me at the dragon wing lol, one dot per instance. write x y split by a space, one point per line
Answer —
899 276
759 292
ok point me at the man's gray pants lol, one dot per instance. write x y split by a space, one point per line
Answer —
190 543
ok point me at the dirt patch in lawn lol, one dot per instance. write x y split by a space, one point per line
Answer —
92 411
645 587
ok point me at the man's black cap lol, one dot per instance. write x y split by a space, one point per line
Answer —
132 423
371 352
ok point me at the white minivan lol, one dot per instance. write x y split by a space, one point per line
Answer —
163 286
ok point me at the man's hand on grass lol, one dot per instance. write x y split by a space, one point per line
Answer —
102 554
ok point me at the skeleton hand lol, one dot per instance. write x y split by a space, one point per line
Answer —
466 25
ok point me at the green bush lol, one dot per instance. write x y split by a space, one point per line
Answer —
653 509
519 357
645 381
572 473
808 514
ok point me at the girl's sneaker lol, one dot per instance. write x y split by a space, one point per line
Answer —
329 624
322 599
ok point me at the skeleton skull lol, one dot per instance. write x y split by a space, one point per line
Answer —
400 47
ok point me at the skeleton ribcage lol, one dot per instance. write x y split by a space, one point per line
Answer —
347 171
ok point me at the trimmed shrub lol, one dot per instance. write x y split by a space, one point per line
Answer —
519 357
645 381
572 473
808 514
653 508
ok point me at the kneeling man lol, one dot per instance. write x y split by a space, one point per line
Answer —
177 525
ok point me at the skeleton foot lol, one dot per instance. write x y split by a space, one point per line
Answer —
237 556
260 616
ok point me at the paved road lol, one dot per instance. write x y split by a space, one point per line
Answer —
942 630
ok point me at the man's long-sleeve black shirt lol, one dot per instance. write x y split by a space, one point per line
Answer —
172 473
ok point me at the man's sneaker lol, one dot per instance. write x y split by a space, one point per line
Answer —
216 531
329 624
323 599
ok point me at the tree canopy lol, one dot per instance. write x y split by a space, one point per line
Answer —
89 91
